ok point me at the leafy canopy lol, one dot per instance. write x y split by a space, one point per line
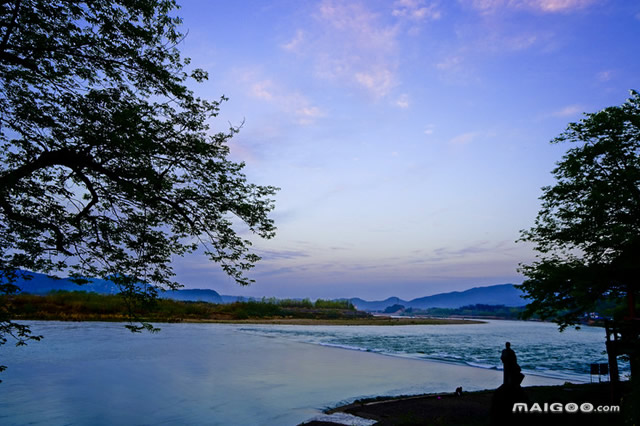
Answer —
108 167
587 232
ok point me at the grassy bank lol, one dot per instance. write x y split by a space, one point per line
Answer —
83 306
373 320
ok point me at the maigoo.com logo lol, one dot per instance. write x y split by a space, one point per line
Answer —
557 407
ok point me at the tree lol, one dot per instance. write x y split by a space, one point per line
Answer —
587 232
108 167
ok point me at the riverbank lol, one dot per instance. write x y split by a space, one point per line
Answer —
82 306
377 320
475 408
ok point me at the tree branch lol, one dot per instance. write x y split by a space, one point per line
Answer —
92 190
11 214
10 27
16 60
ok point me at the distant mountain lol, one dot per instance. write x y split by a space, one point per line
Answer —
42 284
501 294
233 299
381 305
195 295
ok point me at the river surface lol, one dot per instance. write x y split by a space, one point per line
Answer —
221 374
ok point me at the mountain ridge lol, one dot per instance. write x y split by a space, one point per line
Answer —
43 284
499 294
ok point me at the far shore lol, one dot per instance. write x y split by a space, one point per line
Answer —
381 321
358 321
82 306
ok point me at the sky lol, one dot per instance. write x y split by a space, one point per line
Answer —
410 138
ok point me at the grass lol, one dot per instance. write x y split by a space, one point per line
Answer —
78 305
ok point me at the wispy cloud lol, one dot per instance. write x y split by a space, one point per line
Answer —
356 46
352 43
402 101
262 90
568 111
490 37
356 20
378 82
558 5
605 75
463 139
478 247
268 255
458 67
416 10
290 102
295 42
450 63
521 41
544 6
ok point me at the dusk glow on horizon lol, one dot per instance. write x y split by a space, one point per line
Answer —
410 138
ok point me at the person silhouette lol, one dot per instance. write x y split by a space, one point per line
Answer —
510 392
511 369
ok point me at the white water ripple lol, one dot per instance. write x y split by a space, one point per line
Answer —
540 347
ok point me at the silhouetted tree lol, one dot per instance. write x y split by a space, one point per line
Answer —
393 308
587 232
107 164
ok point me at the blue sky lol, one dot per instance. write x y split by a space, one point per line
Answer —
410 138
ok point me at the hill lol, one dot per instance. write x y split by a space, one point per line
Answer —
501 294
233 299
195 295
42 284
377 306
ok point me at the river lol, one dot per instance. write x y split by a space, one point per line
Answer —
222 374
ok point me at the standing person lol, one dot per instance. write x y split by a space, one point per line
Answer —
512 375
510 392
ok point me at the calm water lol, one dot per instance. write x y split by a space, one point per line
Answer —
100 374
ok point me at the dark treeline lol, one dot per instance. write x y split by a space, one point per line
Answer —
602 310
307 303
87 306
83 306
478 310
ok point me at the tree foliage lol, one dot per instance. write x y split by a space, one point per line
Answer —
108 167
587 232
